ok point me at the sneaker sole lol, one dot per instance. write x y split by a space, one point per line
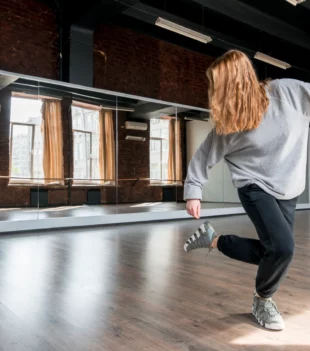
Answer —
273 326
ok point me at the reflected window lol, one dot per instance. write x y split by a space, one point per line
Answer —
85 124
26 144
159 150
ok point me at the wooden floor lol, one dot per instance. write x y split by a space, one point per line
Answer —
133 288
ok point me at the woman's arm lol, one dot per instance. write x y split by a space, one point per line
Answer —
297 94
210 152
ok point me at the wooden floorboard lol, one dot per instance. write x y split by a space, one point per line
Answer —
133 288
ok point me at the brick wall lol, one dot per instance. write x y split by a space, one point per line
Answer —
29 38
138 64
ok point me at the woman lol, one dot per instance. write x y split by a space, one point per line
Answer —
261 130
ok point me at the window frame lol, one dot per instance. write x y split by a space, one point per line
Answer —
89 181
159 181
31 180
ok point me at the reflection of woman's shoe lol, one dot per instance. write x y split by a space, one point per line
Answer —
203 237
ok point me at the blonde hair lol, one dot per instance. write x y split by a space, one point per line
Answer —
237 99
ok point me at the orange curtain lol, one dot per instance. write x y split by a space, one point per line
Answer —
174 157
53 141
107 147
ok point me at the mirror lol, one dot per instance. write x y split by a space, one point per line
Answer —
143 157
20 117
80 133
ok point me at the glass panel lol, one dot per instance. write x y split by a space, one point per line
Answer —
20 117
159 150
85 119
26 139
178 151
143 158
38 153
95 166
81 161
21 152
88 134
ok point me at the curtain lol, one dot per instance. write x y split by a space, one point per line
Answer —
106 147
53 142
174 157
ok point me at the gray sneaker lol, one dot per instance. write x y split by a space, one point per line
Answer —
202 237
267 314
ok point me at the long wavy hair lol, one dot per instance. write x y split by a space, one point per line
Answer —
237 99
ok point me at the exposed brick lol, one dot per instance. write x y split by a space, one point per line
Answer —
78 196
29 38
58 197
141 65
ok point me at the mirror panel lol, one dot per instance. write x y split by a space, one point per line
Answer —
20 118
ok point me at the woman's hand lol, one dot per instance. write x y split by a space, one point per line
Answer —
193 208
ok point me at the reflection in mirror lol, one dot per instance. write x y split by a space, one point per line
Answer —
143 142
151 158
79 154
179 156
20 138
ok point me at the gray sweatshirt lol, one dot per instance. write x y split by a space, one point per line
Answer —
273 156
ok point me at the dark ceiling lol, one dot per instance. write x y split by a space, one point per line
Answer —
274 27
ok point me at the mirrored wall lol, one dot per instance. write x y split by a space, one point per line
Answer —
73 151
69 151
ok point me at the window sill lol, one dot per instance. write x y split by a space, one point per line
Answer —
88 185
39 185
166 185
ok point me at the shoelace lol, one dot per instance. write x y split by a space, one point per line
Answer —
271 308
211 249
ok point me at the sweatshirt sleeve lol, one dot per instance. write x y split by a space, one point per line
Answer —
297 94
210 152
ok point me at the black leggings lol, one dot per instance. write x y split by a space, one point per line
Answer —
273 252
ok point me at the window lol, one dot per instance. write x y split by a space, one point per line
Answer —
159 150
85 123
26 154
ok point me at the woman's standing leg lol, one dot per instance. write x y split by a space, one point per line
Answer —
274 222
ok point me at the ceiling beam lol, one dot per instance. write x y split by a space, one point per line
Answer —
259 20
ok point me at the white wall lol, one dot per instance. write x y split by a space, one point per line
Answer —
304 197
219 188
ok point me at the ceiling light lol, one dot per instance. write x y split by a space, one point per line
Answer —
161 22
295 2
272 61
136 138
